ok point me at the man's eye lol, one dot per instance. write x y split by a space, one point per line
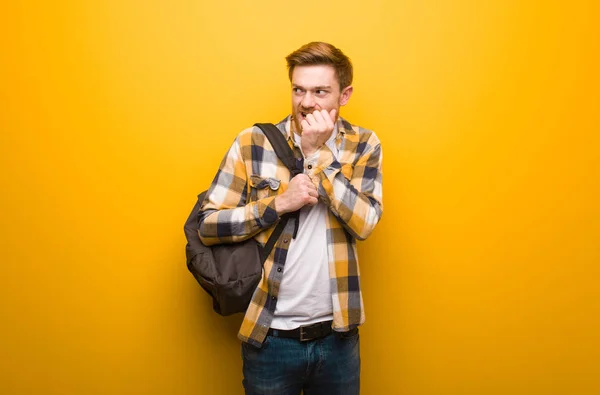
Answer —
321 92
297 90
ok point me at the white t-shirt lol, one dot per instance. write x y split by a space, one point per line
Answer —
305 292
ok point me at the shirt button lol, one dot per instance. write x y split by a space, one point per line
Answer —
309 167
285 240
279 269
273 298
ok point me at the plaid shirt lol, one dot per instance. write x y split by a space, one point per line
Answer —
240 204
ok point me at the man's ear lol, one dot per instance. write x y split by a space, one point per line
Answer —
345 96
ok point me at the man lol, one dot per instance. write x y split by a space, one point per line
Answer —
300 332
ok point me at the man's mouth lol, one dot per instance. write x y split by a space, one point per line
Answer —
303 114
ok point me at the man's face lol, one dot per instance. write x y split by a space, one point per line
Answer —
316 88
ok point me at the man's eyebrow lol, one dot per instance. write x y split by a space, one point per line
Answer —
323 87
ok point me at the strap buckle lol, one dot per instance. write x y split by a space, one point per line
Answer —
311 332
304 336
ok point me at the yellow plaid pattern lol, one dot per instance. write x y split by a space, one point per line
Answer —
240 204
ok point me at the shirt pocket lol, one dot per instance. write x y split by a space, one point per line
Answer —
263 187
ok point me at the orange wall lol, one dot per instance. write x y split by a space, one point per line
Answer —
481 278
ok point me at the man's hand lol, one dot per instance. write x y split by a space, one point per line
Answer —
300 192
316 130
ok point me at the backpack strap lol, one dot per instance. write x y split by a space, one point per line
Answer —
266 250
286 155
281 146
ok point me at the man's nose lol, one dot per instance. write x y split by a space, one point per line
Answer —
308 101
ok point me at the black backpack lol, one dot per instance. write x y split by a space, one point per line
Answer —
230 273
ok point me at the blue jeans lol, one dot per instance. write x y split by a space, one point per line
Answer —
326 366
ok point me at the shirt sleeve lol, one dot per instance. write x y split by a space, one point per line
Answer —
225 217
353 192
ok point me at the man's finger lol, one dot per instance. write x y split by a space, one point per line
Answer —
302 176
329 119
311 187
318 117
304 124
333 114
311 201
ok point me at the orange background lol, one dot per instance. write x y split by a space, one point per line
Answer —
482 277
